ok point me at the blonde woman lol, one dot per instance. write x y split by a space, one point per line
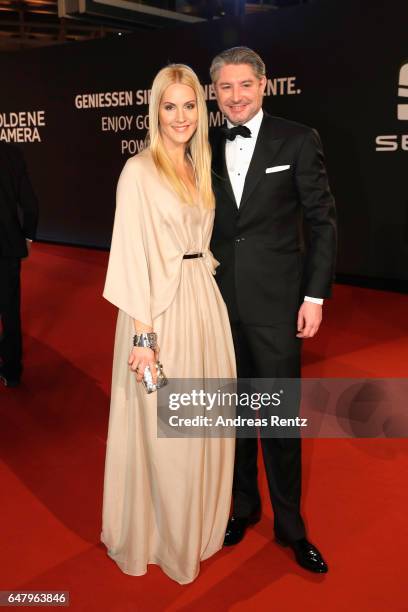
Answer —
166 501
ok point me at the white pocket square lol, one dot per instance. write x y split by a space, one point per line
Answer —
277 169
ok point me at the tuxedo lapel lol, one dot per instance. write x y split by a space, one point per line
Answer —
265 150
219 168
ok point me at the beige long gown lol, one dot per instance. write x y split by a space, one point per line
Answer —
166 500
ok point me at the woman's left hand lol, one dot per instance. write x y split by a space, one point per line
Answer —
139 359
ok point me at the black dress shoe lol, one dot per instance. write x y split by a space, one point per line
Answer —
306 555
237 527
9 381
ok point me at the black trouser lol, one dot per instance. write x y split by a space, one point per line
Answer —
11 341
269 352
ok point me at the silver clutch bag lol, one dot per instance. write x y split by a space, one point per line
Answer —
148 381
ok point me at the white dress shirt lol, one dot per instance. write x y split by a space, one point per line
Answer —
238 155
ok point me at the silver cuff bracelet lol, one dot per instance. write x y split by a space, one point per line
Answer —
147 340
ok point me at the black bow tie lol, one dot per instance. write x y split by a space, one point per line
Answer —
239 130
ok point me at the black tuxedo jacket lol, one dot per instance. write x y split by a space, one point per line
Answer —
18 203
280 244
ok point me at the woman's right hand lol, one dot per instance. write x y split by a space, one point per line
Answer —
140 358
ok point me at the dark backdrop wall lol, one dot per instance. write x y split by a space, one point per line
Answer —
337 66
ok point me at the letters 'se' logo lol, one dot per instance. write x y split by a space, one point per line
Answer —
403 92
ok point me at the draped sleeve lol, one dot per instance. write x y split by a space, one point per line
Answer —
127 284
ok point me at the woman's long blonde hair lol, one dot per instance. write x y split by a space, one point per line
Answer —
198 148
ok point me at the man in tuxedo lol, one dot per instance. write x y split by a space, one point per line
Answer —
270 185
18 223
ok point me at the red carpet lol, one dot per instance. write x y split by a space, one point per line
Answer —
52 437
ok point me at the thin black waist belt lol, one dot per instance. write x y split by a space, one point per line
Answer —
192 255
